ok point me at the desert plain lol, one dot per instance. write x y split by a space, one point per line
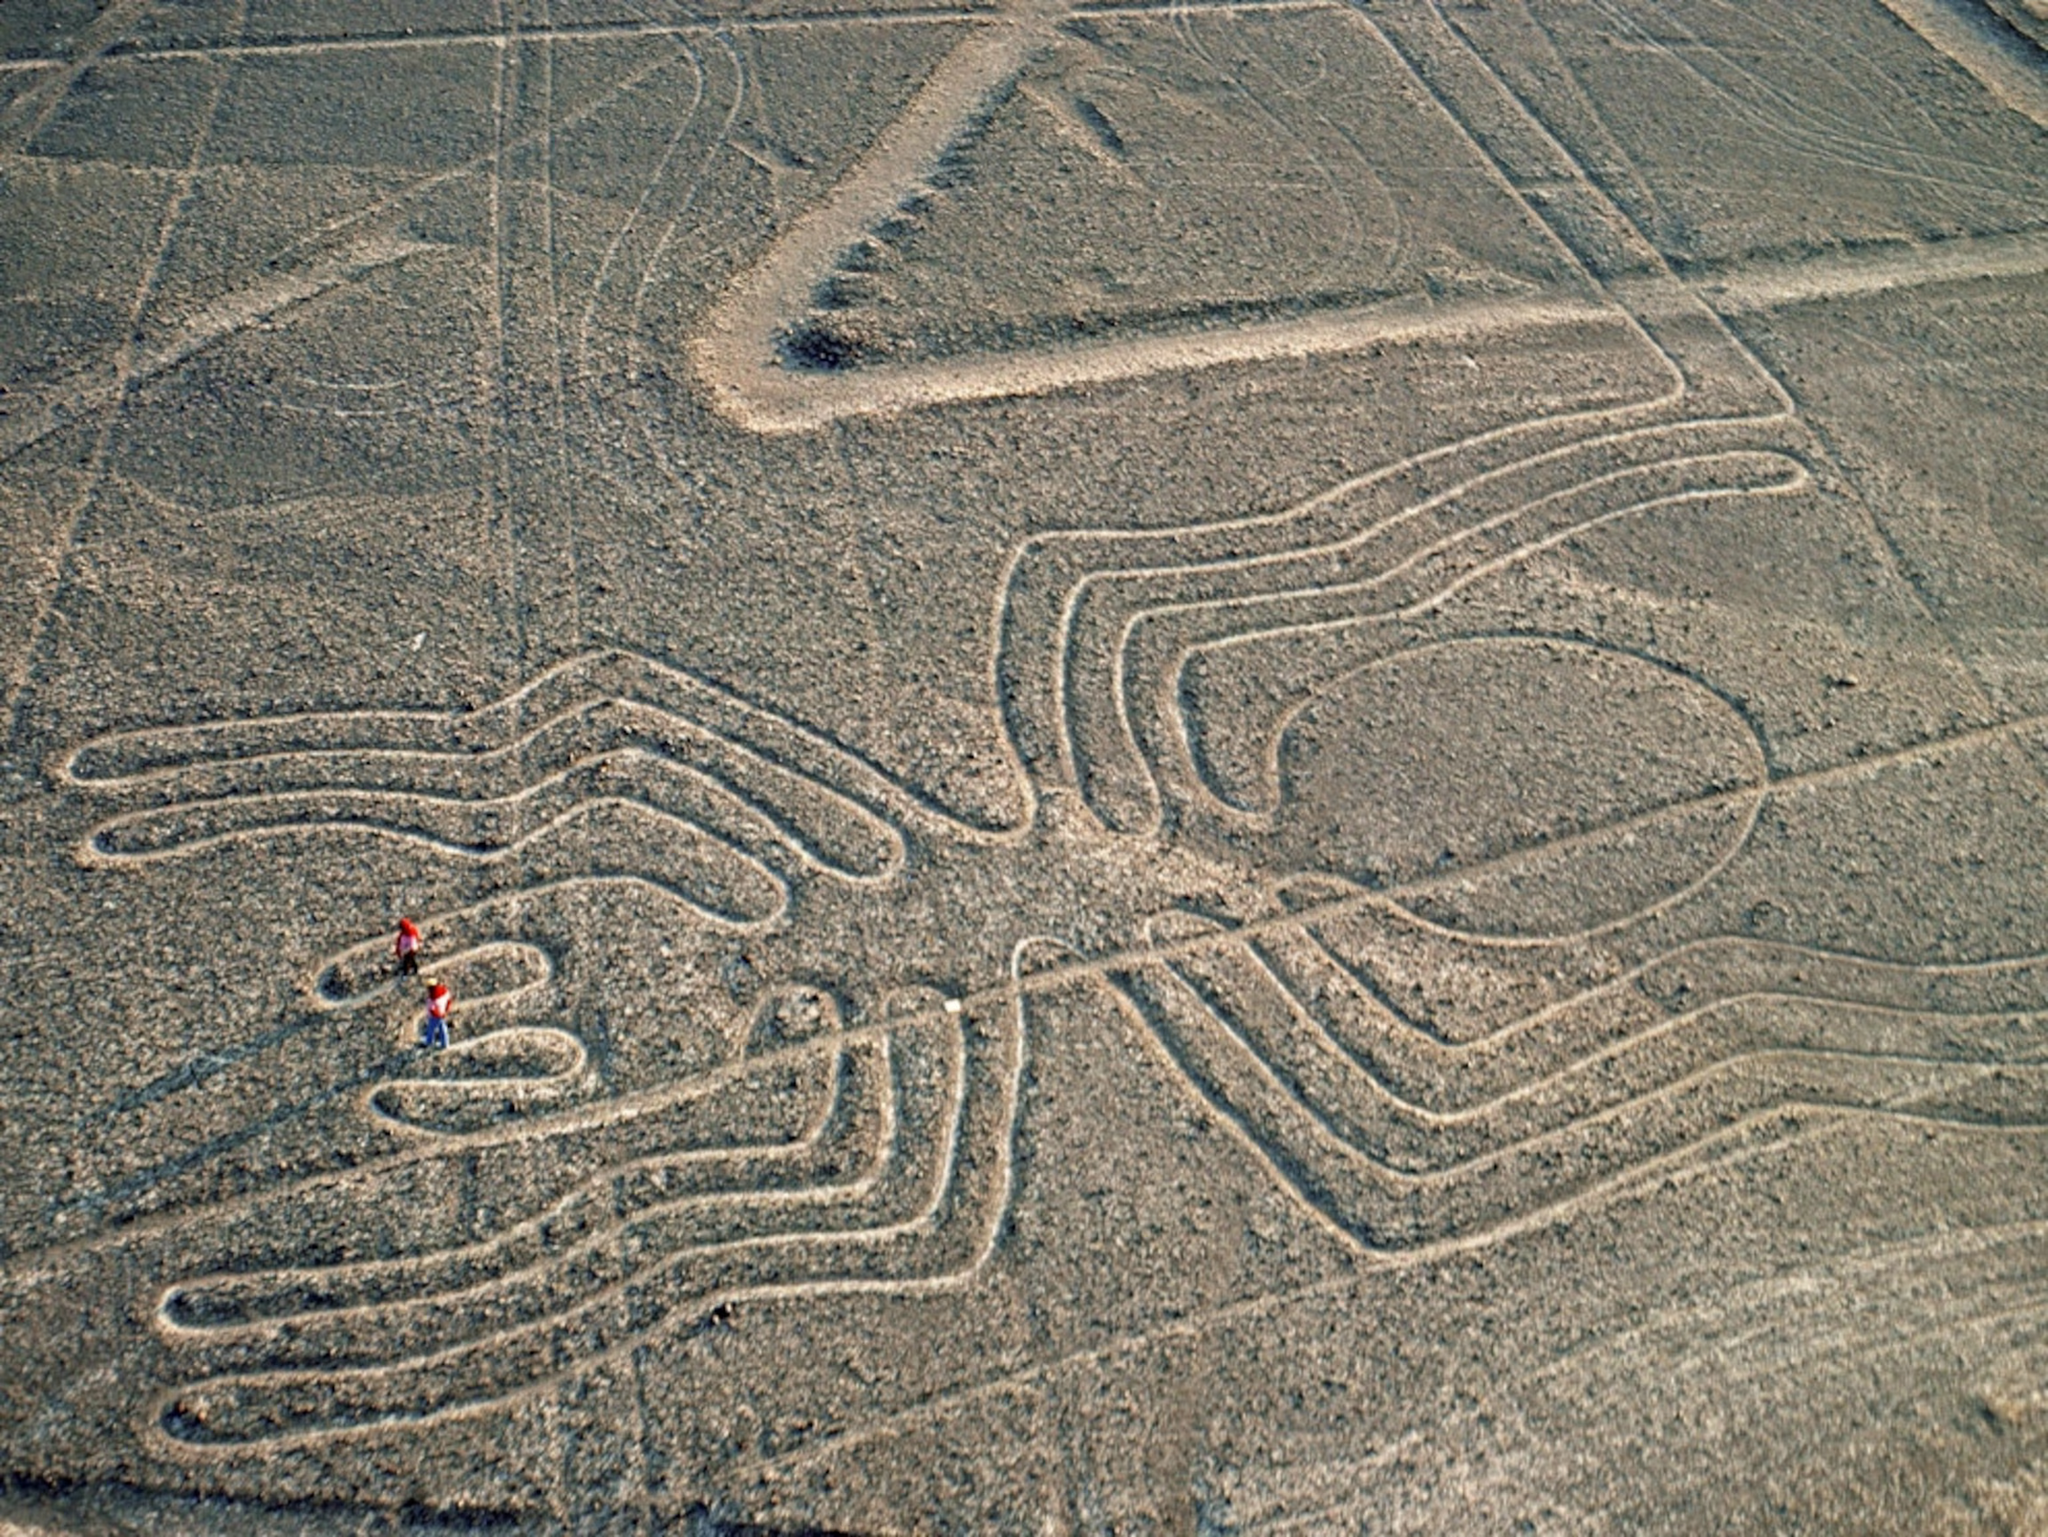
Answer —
1221 767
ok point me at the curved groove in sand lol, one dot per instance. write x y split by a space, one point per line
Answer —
1397 1172
939 1241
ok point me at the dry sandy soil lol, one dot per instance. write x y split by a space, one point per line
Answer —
1242 766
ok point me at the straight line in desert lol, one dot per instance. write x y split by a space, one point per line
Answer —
1765 285
737 358
600 32
2005 63
750 385
25 117
40 411
769 398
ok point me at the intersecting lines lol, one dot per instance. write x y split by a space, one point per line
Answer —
1100 631
608 346
330 253
1556 1068
610 765
1710 42
824 1159
26 115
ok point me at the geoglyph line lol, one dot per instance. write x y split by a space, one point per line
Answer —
1394 1174
2004 65
1765 285
1840 1076
1376 1167
737 349
940 1207
1853 1082
317 1325
1149 728
766 396
1312 901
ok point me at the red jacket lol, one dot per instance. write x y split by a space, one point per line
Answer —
439 1001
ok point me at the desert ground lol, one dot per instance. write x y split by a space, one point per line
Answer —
1233 766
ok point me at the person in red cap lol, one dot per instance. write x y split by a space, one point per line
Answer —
434 1028
407 948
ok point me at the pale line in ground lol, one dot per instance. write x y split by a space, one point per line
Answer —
587 326
1665 288
557 378
735 353
400 829
1829 1123
229 316
589 369
1937 264
1854 768
1880 542
1765 285
868 1174
1473 1113
1639 979
1681 1163
585 1192
95 398
1419 1176
384 813
622 31
736 346
492 383
1023 985
1678 1163
1414 611
766 397
2006 66
42 408
885 801
1006 588
90 399
748 384
1657 292
99 37
1851 769
926 1217
1847 1273
926 1222
861 787
1858 150
127 364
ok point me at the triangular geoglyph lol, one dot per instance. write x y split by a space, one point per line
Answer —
1098 195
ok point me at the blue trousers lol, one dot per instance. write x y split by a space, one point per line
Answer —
434 1032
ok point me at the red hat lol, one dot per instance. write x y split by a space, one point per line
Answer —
407 926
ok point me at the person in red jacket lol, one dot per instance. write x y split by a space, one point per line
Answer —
407 948
434 1028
